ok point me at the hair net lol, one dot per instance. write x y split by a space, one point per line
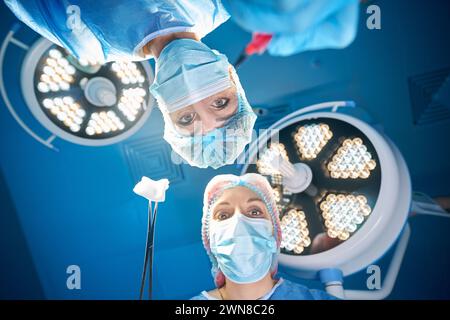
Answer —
215 188
187 71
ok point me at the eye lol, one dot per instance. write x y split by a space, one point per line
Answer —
220 103
255 212
186 119
222 215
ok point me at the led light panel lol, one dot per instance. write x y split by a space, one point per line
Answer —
294 230
343 214
311 138
352 160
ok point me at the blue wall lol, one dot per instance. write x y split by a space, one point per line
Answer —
76 206
18 276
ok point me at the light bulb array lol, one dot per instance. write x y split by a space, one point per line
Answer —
311 139
343 214
67 111
57 73
104 122
131 102
128 72
352 160
88 62
277 194
276 179
282 197
294 230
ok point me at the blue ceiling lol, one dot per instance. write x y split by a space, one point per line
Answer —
76 206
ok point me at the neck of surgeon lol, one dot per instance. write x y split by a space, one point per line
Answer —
247 291
155 46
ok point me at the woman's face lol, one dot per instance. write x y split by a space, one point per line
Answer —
207 114
239 200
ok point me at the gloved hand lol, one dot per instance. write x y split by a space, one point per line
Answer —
298 25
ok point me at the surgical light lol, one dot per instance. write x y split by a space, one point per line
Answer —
84 102
349 191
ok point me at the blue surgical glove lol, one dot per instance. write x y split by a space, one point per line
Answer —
298 25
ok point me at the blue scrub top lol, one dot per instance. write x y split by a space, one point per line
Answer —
284 290
107 30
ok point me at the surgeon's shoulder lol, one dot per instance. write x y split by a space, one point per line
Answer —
289 290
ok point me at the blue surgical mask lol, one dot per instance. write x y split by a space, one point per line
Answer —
244 247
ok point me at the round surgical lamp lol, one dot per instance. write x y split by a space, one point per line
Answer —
342 188
81 102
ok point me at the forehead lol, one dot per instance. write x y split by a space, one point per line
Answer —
236 195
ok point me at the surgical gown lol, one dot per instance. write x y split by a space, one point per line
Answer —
283 290
107 30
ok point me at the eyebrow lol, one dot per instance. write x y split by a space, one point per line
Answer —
254 199
249 200
222 203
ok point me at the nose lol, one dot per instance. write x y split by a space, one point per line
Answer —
209 124
237 210
207 119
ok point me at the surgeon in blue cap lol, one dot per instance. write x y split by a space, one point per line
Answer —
208 120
